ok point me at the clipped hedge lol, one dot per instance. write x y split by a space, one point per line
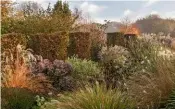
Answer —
115 39
80 44
10 41
50 46
119 39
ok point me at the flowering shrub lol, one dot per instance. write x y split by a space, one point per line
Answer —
154 77
152 89
15 73
85 70
58 71
116 62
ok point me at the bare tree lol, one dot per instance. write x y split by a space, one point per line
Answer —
126 24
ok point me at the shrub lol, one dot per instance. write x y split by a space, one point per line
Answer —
11 40
50 46
154 77
95 52
96 97
17 98
117 64
151 89
98 38
57 71
43 103
15 73
144 54
146 51
32 18
80 44
52 104
171 101
85 70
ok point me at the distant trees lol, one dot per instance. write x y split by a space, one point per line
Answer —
155 24
30 17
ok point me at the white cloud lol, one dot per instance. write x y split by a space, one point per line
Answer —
154 12
101 20
169 14
150 2
43 3
90 8
127 12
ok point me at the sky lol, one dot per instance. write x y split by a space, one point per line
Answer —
99 11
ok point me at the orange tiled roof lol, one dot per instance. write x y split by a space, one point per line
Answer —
130 30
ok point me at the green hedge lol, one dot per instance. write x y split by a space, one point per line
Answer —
80 44
50 46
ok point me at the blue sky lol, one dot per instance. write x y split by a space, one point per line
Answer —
116 10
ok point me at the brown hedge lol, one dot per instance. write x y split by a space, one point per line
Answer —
51 46
10 41
120 39
115 39
80 44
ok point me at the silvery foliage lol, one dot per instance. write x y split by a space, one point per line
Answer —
117 54
37 64
164 43
42 103
117 63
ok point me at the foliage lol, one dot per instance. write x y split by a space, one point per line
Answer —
115 39
96 97
155 24
80 44
98 38
42 103
15 73
146 50
85 70
50 46
52 104
17 98
6 8
58 71
39 102
171 101
6 11
11 40
31 18
117 64
95 52
151 88
144 54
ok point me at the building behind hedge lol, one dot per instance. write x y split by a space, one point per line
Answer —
116 37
